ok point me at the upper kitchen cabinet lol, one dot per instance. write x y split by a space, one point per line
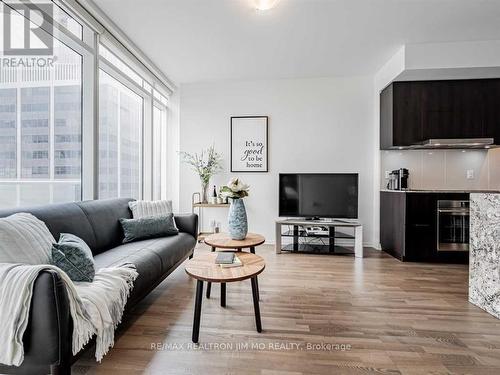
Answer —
400 114
491 100
452 109
413 112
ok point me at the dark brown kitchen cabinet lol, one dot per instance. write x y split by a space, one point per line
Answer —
408 113
412 112
491 100
400 114
420 226
392 213
408 226
452 109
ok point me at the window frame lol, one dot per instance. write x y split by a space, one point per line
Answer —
84 49
147 92
163 143
97 29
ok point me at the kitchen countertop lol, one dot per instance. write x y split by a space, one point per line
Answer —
484 264
439 191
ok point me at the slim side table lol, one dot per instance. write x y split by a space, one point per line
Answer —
196 204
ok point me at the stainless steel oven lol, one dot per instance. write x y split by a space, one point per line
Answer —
452 225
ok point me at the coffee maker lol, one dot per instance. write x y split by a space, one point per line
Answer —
398 179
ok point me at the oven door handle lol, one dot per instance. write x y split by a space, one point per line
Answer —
453 210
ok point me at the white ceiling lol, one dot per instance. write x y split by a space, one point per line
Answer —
209 40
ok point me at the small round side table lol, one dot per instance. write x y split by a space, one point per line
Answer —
225 242
203 268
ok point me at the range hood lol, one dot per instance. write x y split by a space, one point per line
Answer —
458 143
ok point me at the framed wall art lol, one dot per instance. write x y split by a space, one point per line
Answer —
249 144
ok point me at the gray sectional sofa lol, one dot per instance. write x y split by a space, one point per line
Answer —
47 341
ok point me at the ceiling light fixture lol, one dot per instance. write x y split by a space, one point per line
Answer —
265 4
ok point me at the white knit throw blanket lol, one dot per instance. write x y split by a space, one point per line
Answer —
96 308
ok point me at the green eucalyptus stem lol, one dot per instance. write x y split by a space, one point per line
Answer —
206 164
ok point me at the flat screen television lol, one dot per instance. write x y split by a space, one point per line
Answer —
318 195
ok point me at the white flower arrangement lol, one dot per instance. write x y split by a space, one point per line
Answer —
235 189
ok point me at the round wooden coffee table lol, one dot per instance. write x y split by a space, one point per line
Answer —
225 242
203 268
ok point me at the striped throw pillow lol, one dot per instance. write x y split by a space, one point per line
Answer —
142 209
25 239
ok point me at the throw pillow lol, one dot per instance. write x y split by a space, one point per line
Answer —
73 256
24 239
142 209
148 227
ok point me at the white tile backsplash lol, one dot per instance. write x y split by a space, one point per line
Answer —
402 159
433 170
445 169
494 168
458 162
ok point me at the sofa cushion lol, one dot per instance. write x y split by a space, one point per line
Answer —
153 258
147 263
104 216
61 218
172 249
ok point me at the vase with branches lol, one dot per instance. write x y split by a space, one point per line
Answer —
206 164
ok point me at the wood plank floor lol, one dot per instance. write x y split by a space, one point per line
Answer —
321 315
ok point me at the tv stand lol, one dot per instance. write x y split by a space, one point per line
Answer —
298 232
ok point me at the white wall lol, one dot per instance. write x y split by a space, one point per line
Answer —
315 125
451 55
449 60
385 75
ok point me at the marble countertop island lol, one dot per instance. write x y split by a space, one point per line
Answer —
484 264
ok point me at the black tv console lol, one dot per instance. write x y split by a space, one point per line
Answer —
318 243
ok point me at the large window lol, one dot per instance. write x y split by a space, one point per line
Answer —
132 130
41 128
120 139
51 149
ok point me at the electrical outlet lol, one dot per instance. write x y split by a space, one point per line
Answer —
470 174
387 173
